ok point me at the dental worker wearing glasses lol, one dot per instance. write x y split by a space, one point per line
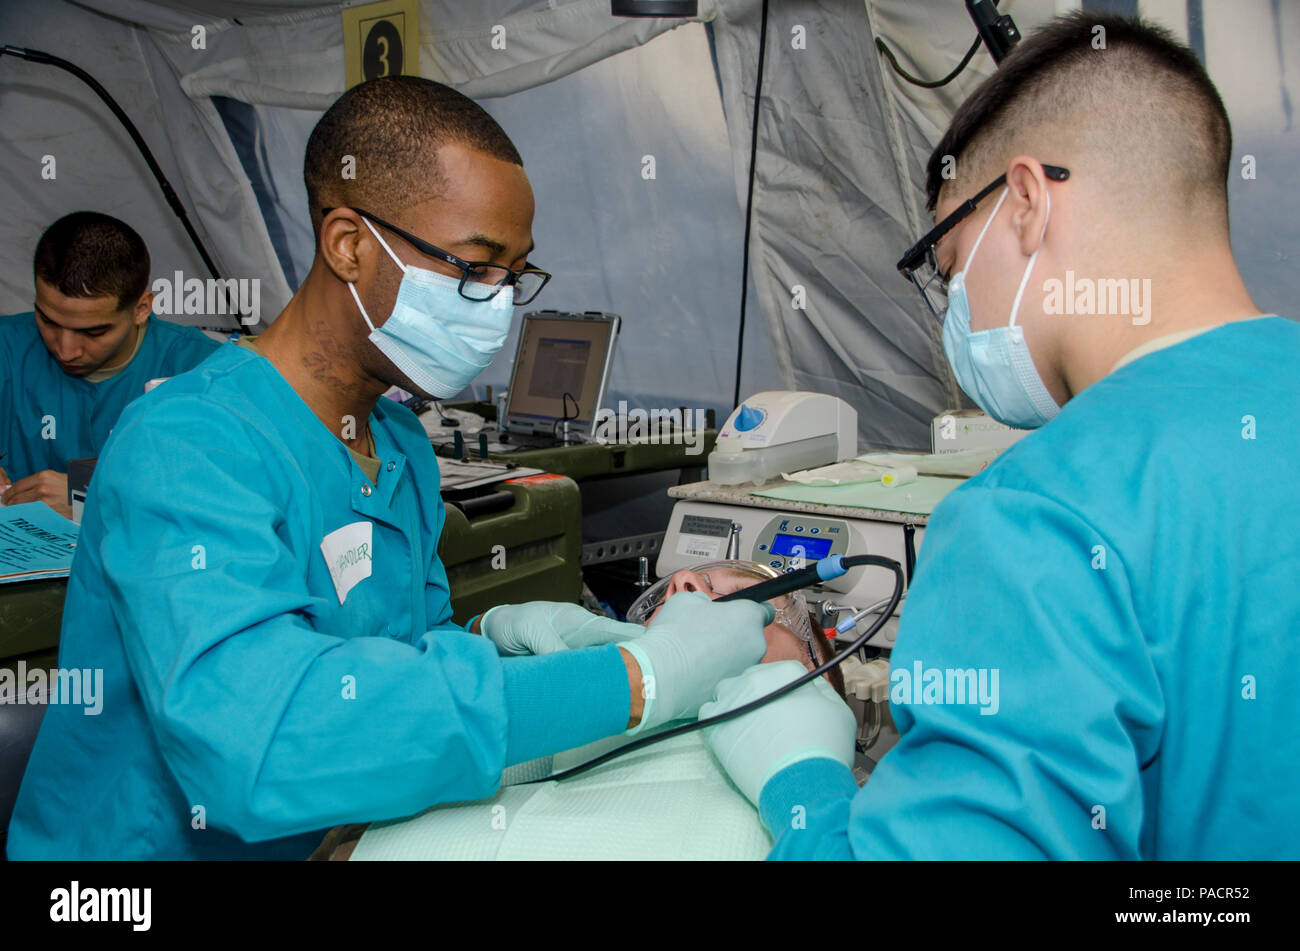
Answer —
258 574
1129 569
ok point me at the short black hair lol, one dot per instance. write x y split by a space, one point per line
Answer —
88 254
1143 92
392 128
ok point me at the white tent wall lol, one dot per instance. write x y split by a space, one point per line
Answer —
46 111
842 143
665 252
1251 51
834 207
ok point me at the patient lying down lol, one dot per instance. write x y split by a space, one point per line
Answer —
670 800
791 636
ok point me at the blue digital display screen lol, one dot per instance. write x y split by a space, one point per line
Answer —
810 548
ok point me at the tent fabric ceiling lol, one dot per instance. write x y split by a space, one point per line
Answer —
50 113
833 186
842 145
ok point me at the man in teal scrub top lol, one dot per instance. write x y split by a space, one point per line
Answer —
1128 571
68 369
258 574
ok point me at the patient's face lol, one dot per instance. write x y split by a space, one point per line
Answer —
782 642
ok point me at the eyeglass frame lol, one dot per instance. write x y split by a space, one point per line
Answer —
433 251
914 256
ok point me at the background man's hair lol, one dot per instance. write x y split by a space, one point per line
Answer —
1143 107
393 127
88 254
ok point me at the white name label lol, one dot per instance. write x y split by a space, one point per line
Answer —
348 554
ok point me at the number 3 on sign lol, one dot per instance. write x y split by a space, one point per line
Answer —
381 39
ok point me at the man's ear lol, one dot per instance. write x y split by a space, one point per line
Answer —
341 237
143 308
1029 201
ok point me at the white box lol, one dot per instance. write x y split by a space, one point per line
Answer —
958 429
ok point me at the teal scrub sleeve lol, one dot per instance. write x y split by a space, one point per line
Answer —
821 787
1012 582
273 728
564 700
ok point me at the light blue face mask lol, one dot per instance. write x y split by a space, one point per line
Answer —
437 338
994 366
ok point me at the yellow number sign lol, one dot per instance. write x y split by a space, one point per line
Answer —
381 39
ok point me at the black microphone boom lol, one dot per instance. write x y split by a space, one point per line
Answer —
999 33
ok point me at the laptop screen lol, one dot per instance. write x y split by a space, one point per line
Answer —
559 355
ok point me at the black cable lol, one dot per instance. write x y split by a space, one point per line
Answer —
36 56
749 202
909 550
925 84
853 561
564 413
449 422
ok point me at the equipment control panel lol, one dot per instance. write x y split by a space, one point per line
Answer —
791 542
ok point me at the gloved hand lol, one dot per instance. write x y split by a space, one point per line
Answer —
810 722
544 627
691 644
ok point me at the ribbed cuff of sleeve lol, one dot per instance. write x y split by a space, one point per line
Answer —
808 783
560 701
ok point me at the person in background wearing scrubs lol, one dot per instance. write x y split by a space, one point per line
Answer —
68 369
1128 571
258 574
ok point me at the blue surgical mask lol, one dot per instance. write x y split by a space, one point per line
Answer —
435 336
994 366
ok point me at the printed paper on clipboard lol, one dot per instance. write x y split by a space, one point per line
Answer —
35 542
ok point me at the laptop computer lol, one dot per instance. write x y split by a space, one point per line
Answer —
559 377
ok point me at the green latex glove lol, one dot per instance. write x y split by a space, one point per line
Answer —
810 722
544 627
691 644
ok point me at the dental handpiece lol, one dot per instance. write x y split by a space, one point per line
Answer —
825 570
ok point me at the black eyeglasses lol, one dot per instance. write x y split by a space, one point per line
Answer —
479 281
920 265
